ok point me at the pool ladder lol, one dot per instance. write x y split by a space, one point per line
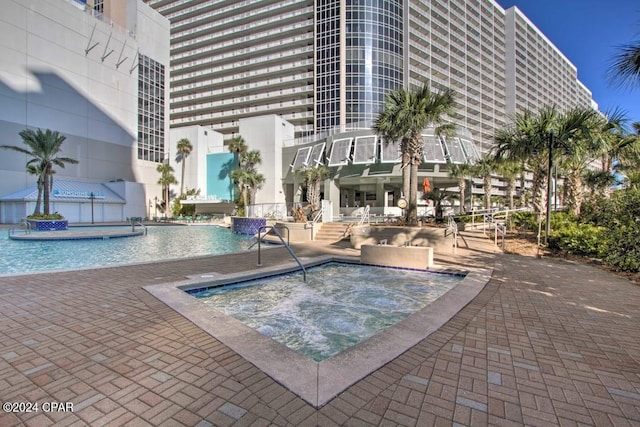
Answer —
274 230
24 226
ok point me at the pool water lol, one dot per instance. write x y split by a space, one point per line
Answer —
340 305
160 243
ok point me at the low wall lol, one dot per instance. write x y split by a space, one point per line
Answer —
298 231
420 257
399 236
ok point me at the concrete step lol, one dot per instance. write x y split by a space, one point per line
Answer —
331 231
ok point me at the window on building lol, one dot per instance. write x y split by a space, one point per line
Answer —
151 120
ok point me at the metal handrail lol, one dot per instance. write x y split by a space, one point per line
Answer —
23 223
452 228
134 222
366 215
319 215
286 245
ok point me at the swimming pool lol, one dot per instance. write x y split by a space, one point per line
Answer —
340 305
160 243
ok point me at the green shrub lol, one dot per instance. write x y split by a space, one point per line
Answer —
576 238
621 218
466 218
54 215
524 220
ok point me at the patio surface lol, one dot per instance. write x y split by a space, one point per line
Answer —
546 342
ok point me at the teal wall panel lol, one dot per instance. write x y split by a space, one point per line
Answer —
219 167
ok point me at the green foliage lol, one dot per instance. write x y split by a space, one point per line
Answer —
571 236
524 220
54 215
185 210
594 210
622 238
466 218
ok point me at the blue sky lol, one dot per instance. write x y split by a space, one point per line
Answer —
588 32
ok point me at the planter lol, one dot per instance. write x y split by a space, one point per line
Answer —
48 224
242 225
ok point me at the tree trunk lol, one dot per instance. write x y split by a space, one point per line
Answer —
487 192
511 188
523 197
406 181
574 192
166 202
36 210
413 195
46 193
462 185
182 180
539 190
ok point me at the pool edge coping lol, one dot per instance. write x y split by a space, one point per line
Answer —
317 382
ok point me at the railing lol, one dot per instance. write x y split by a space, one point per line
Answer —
318 216
274 230
366 215
498 228
137 221
24 225
452 229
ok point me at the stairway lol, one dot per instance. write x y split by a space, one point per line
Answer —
332 231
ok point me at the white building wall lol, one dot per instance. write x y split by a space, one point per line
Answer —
63 69
204 141
267 135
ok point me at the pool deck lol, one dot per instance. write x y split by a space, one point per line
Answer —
546 342
77 234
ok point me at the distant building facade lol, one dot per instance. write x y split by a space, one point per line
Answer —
96 71
326 66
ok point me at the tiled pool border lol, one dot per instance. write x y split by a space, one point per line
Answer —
315 382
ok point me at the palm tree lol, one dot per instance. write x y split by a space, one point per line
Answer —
35 170
184 149
625 69
510 170
241 177
462 172
485 168
438 196
254 181
237 145
44 149
578 143
526 140
405 115
166 179
245 177
312 178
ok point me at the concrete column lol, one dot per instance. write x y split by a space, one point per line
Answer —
332 193
381 195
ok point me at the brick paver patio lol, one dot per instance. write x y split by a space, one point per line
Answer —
547 342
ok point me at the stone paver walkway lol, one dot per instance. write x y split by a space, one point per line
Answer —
545 343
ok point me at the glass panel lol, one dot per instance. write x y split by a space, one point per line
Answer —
391 152
470 150
365 149
432 151
454 147
340 151
302 158
316 155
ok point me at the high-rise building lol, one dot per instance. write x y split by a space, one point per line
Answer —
328 64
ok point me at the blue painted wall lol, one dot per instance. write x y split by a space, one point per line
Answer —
219 167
